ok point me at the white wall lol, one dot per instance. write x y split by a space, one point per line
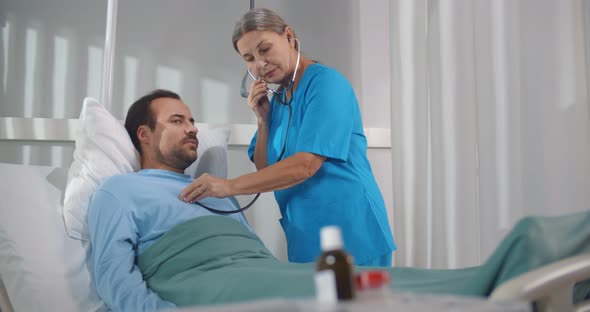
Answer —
51 58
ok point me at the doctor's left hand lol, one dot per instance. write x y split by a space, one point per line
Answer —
205 186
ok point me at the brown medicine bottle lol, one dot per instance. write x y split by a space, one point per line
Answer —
335 258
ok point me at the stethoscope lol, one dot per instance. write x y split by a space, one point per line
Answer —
279 93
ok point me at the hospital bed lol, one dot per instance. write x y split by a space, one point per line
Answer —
41 266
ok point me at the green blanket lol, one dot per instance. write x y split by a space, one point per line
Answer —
215 259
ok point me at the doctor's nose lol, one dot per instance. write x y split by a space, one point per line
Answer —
260 63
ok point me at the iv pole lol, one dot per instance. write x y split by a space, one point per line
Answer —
109 55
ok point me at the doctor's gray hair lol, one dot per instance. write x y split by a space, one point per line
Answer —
258 19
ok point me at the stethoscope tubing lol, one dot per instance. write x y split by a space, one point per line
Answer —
242 209
286 103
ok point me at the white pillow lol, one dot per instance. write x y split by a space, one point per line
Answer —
103 149
40 266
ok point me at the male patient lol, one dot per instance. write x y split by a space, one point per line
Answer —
151 250
129 212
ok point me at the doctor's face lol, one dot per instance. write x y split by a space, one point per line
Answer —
269 55
173 141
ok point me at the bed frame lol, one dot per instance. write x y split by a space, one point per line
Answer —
550 287
5 305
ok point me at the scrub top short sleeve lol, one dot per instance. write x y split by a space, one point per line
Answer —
327 123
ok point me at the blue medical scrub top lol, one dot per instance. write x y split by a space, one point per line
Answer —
326 121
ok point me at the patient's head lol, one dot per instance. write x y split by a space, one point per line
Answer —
162 129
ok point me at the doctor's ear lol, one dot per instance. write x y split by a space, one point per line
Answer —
290 34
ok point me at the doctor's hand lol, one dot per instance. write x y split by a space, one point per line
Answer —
205 186
258 100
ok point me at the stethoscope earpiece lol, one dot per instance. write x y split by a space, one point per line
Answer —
244 91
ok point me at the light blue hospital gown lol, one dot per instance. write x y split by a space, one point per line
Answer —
326 121
127 214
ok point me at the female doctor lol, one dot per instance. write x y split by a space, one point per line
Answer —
309 148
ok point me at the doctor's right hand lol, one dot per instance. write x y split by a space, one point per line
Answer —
258 101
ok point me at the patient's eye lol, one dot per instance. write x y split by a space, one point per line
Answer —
177 121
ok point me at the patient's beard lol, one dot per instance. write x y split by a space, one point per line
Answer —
178 158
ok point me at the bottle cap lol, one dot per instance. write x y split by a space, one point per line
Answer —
330 238
372 279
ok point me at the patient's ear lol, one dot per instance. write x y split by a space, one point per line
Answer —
144 134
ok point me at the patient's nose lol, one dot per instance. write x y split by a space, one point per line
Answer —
192 130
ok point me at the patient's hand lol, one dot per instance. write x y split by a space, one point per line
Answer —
205 186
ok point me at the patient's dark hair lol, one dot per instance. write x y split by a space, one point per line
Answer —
140 113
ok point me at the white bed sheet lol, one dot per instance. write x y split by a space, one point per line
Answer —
41 267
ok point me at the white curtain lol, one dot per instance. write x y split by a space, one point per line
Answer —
490 121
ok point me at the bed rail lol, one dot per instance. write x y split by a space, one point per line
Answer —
5 305
549 287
